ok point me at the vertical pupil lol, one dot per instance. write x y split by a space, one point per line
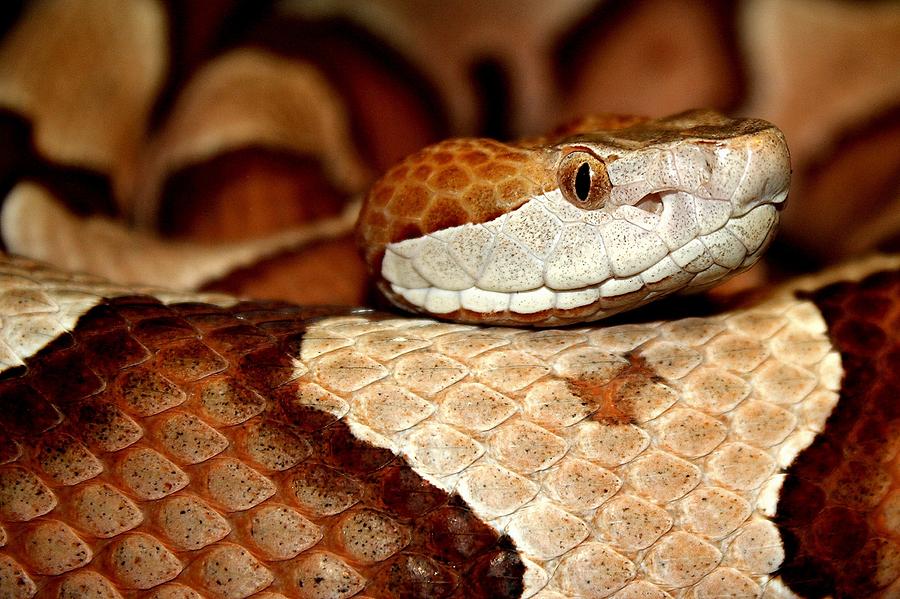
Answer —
583 181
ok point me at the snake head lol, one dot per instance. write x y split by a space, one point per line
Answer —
600 217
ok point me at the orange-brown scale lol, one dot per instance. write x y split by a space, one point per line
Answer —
839 510
604 395
451 183
258 492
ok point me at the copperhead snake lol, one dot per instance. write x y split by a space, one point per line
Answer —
166 444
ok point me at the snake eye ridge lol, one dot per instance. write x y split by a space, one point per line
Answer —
583 180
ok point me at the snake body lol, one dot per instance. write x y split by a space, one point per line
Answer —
184 446
166 444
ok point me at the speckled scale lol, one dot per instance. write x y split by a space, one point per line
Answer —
350 454
404 493
25 410
192 440
450 534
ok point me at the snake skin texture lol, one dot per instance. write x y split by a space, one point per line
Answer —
839 508
184 448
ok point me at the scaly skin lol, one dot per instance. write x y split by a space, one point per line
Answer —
183 448
475 230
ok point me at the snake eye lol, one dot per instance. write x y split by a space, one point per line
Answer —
583 180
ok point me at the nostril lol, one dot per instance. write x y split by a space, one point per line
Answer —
652 203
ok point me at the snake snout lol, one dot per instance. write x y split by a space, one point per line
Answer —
753 170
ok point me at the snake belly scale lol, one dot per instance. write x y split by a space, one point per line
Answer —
164 444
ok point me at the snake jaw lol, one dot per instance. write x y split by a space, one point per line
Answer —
683 203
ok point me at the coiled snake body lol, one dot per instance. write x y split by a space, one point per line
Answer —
161 444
